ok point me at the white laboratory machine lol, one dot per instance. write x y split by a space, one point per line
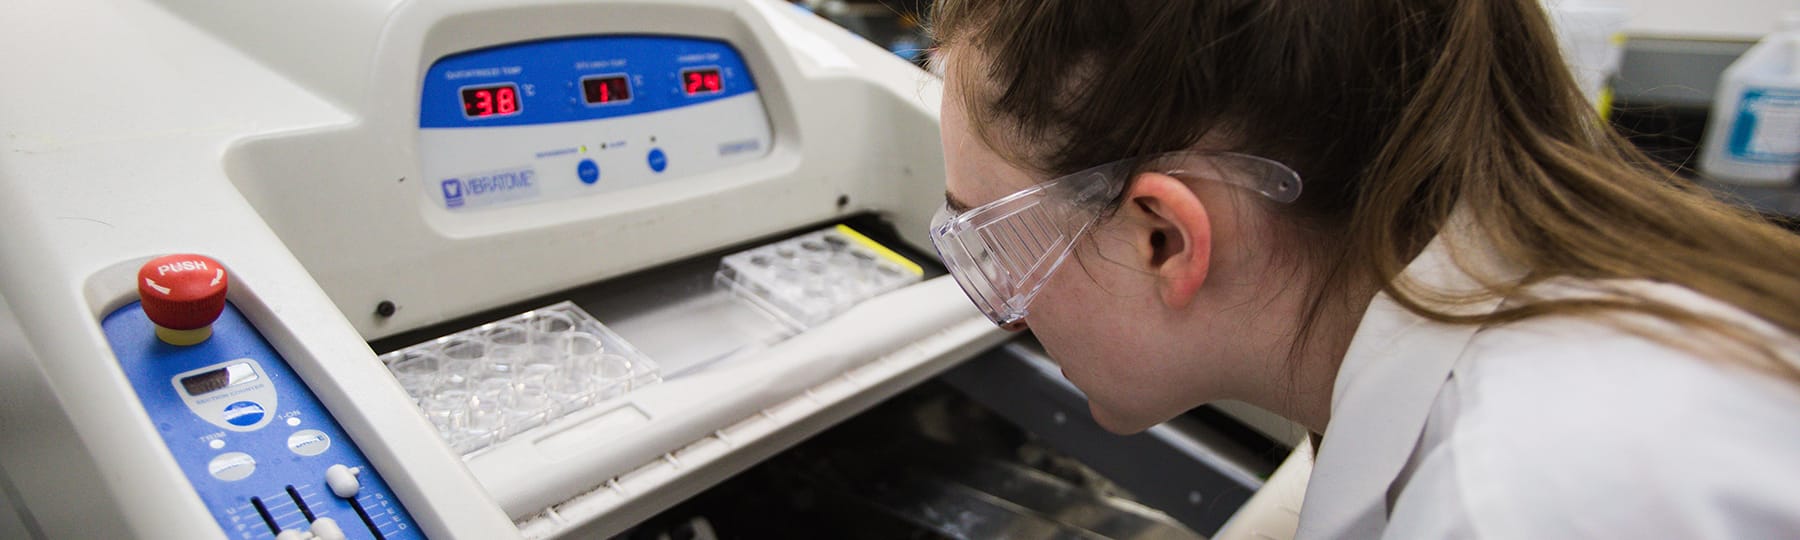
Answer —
364 169
464 184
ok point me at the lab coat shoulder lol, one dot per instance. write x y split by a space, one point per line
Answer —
1564 427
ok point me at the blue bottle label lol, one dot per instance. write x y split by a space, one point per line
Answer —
1767 127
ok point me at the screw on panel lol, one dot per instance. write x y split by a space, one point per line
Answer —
843 201
385 308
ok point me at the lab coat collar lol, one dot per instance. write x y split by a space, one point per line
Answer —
1396 364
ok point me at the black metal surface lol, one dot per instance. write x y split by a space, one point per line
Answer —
1780 204
989 498
1671 134
927 464
1680 72
1198 475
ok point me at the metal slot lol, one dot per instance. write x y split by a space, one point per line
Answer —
1198 474
263 511
367 521
997 499
305 510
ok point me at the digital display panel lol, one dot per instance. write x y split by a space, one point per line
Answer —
605 89
491 101
701 81
218 379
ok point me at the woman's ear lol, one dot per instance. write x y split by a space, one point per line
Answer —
1171 235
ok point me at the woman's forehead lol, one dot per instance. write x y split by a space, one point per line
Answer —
975 174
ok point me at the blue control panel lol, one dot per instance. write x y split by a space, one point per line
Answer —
577 79
252 438
584 116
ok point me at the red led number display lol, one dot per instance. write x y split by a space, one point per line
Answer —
607 89
486 101
701 81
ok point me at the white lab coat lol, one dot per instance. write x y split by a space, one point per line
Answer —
1550 428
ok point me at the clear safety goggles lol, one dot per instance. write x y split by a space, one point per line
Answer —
1003 252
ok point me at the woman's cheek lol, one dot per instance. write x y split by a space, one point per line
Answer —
1070 329
1073 352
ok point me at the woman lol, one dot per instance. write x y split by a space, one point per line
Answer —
1395 222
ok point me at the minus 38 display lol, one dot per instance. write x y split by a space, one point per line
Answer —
491 100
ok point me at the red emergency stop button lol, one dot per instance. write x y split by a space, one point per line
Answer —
183 294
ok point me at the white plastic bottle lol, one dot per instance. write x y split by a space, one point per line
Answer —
1754 135
1592 35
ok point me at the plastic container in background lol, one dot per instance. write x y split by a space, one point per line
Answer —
1592 34
1754 135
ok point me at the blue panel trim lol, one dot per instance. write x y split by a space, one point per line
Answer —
155 368
548 74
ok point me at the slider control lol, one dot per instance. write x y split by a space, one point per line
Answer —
343 480
343 483
322 529
326 529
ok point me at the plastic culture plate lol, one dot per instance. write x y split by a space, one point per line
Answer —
806 280
486 384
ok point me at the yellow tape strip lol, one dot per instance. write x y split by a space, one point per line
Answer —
1606 103
881 250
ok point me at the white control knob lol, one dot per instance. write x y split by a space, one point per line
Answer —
343 480
327 529
291 534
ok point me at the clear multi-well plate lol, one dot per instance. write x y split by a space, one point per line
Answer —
806 280
486 384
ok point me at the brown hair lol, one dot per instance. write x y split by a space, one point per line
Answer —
1392 111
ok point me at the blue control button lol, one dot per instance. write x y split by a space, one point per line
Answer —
588 171
658 160
244 413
